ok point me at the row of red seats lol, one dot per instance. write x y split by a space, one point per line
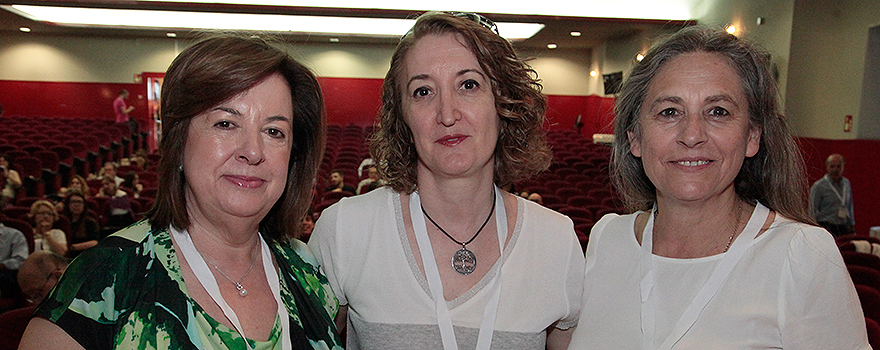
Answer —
864 269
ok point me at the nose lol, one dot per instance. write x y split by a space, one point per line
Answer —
251 150
448 113
692 132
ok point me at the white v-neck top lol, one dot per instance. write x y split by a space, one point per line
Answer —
790 290
362 246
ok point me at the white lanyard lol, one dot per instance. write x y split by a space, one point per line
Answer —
706 293
841 197
444 321
207 280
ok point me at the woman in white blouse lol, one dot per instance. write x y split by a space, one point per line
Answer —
720 252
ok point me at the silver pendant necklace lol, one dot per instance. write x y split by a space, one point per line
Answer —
242 292
464 261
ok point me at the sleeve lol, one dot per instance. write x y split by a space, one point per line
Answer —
59 236
325 247
820 307
851 219
574 286
19 251
814 201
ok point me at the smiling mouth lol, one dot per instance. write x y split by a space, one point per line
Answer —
693 162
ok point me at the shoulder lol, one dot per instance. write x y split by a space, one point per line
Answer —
805 243
363 206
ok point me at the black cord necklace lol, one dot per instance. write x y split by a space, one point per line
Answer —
464 261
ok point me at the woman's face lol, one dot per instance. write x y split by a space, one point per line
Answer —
76 205
448 104
236 155
694 127
44 216
75 183
308 224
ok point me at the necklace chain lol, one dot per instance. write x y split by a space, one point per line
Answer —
739 212
241 290
453 239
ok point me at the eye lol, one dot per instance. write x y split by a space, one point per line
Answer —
421 92
470 84
275 133
223 124
668 113
718 112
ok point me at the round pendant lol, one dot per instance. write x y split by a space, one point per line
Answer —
464 261
241 291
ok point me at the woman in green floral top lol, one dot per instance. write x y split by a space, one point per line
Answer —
216 265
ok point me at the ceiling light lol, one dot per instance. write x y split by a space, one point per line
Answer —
640 57
551 46
593 73
126 18
575 33
334 40
641 9
171 35
731 29
25 29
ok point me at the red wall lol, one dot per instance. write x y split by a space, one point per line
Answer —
357 101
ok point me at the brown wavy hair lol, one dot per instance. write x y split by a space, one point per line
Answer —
212 71
521 150
774 176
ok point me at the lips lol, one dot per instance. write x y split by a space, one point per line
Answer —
690 163
245 181
451 140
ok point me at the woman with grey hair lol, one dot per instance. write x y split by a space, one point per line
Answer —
720 251
441 258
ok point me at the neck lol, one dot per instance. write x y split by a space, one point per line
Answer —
224 240
460 206
689 230
835 178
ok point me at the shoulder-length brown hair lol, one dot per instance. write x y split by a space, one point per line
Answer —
521 150
211 72
773 176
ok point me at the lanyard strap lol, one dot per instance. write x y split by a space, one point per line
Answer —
707 292
206 279
432 273
841 197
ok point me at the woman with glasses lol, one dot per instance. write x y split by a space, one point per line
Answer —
46 237
441 258
84 228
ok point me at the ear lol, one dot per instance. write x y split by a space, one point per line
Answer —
754 143
635 146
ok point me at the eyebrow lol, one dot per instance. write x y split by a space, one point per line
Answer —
679 100
236 113
457 74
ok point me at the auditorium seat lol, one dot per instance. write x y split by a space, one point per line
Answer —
861 259
864 276
870 299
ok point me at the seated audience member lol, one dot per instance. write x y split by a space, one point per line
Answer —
368 162
535 197
44 215
337 183
372 182
109 171
77 183
84 229
140 159
39 273
119 212
308 225
133 182
13 252
11 179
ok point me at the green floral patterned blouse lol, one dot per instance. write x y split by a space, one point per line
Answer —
128 293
